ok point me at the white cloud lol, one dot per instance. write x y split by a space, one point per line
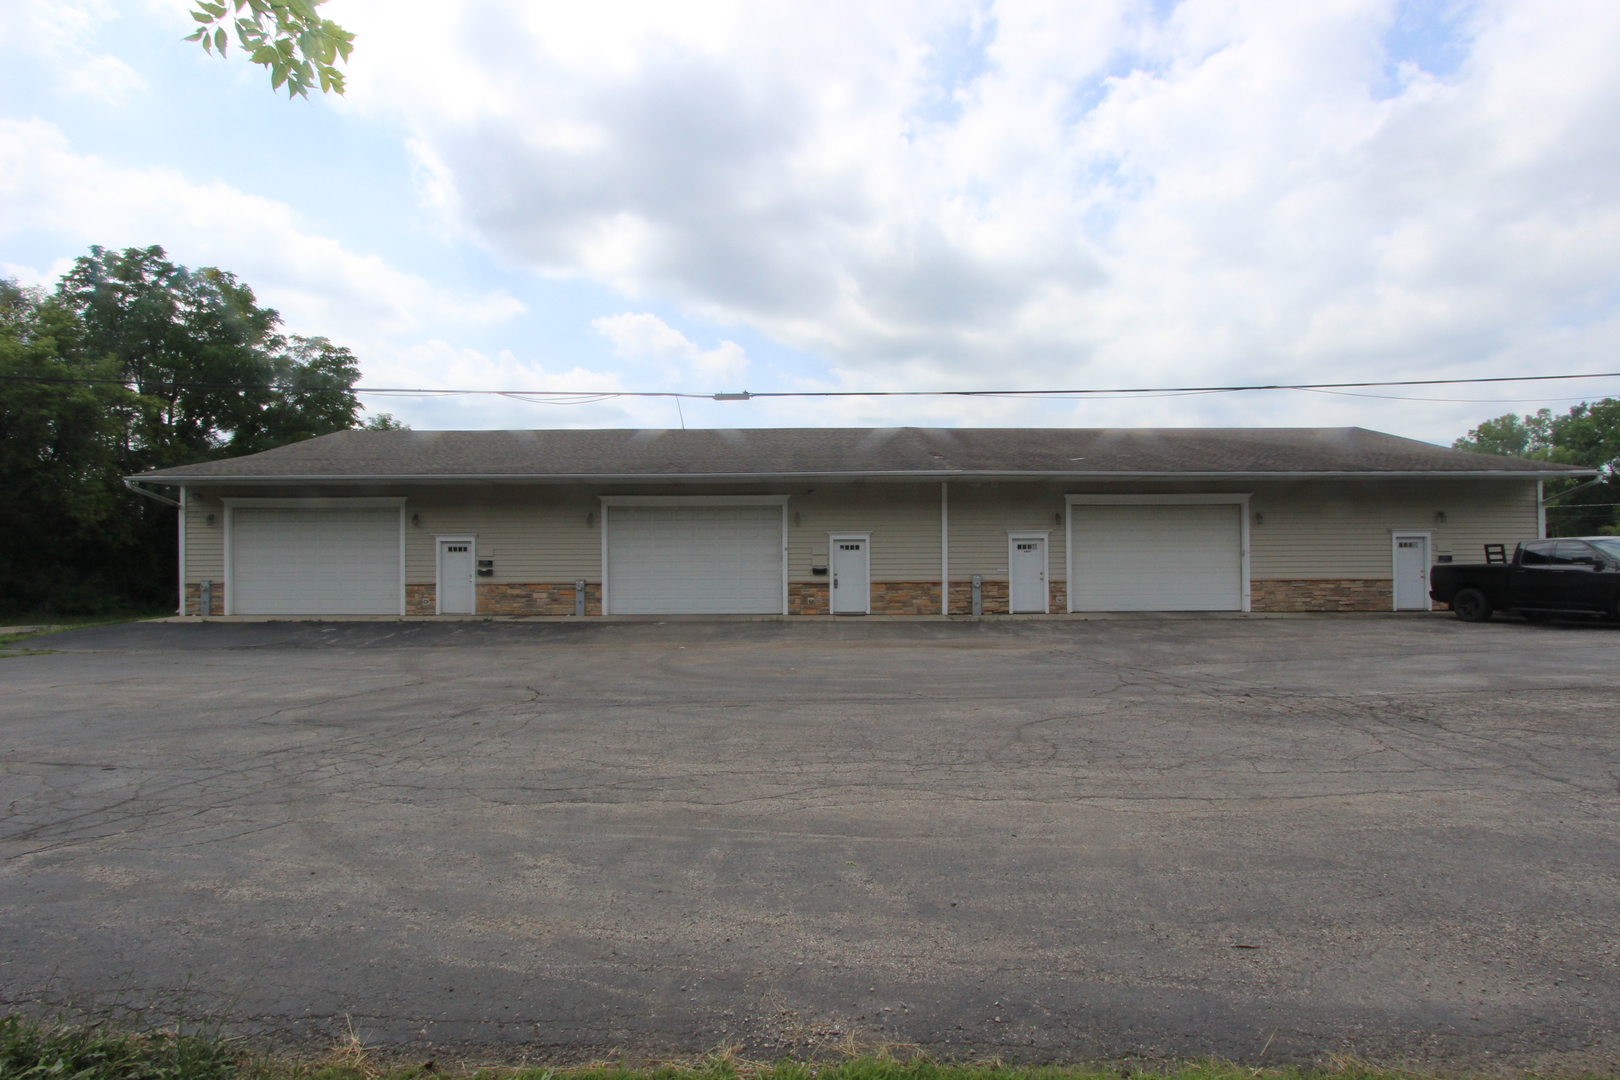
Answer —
62 33
1029 192
436 363
396 321
317 283
563 398
30 276
647 337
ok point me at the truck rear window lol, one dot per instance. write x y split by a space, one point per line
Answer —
1536 555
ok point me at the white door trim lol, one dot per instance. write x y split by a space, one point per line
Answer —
1395 538
832 569
438 565
305 504
1240 499
609 501
1015 535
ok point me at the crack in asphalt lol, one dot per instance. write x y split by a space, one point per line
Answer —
1067 826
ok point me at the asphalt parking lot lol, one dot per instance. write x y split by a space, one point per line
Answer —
1398 837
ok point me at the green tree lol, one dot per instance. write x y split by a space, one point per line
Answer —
63 508
213 376
314 397
1510 436
134 363
385 422
287 37
1587 435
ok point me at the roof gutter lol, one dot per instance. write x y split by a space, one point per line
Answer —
823 477
164 499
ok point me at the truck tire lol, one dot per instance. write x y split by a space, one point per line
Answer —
1471 605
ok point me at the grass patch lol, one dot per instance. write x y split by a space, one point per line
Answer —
30 1050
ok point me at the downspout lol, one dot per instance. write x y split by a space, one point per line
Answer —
182 549
181 505
1542 502
944 548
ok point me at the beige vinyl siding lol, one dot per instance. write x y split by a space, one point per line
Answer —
205 543
982 514
539 533
902 518
1342 530
533 534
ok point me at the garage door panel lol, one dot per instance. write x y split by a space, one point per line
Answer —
695 560
287 561
1157 558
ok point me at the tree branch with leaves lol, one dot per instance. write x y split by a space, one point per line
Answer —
1589 435
286 37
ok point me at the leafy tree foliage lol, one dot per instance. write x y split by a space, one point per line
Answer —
212 375
136 363
1511 436
385 422
60 505
286 37
1589 435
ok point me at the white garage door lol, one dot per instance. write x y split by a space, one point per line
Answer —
694 560
1157 558
315 562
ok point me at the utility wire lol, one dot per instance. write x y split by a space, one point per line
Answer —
585 397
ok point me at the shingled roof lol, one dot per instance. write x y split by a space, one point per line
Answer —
900 453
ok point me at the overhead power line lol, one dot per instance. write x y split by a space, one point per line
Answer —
586 397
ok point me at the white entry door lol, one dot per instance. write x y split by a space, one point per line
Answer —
1411 573
456 588
851 575
1026 573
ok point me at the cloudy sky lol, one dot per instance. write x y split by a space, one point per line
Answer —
712 195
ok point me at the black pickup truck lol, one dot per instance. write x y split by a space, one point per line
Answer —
1571 575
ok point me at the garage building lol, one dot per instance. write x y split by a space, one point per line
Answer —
840 521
